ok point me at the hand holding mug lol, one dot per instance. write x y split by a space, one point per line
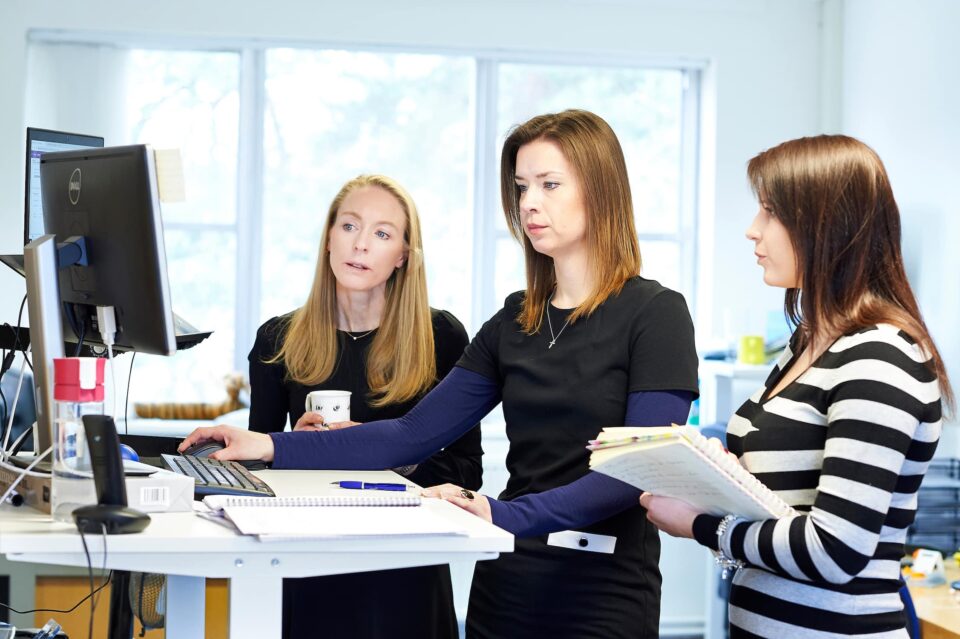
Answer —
325 408
310 421
315 421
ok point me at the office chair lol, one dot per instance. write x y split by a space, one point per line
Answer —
913 622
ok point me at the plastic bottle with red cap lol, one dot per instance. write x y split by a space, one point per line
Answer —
77 391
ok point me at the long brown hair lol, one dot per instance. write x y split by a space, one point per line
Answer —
832 194
591 147
401 363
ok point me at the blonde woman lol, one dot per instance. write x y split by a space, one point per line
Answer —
590 343
366 328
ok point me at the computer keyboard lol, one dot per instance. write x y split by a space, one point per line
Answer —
215 477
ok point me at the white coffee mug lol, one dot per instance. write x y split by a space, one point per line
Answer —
333 405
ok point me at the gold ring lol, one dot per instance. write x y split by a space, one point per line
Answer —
466 494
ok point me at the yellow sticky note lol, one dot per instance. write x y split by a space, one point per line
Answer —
170 175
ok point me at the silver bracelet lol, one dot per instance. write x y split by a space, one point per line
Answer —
727 564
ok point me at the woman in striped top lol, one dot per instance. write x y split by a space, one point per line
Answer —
847 422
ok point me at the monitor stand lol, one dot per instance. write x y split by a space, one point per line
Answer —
46 329
187 335
15 262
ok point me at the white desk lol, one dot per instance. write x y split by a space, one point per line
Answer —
189 549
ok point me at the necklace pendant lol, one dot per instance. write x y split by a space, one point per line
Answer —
354 337
551 344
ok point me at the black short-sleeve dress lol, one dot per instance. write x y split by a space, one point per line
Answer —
554 400
410 602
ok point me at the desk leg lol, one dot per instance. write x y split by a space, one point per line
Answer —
186 607
256 607
715 625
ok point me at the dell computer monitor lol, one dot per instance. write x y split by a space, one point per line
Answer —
109 197
40 141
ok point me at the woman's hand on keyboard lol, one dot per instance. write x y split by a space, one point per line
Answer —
240 444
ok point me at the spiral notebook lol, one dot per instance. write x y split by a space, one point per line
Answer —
677 461
329 516
361 498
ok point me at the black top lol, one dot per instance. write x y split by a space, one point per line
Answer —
420 601
554 400
274 396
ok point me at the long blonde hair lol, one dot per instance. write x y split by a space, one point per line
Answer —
401 363
591 147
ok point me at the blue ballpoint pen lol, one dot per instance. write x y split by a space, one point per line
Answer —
360 485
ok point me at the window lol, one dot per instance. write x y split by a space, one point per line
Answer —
332 115
189 100
645 109
268 135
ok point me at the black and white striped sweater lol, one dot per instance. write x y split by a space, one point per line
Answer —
846 444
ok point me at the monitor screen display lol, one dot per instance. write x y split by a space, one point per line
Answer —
40 141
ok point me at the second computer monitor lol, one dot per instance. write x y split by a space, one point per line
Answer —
40 141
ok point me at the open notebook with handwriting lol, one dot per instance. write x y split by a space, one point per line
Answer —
677 461
328 516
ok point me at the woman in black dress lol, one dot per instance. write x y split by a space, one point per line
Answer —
366 328
589 344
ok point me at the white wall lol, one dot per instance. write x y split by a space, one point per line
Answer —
901 91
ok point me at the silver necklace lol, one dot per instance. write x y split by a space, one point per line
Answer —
553 338
356 337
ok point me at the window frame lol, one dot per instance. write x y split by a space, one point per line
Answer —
486 232
484 190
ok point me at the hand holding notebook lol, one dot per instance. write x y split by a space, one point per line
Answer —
679 462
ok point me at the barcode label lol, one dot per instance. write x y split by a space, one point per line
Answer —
154 496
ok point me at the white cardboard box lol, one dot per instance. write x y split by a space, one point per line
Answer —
163 491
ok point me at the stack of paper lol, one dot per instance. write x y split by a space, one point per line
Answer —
677 461
362 516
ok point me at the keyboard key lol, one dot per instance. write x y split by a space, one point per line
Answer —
185 468
203 469
214 477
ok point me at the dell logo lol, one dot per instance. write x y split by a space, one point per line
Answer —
73 188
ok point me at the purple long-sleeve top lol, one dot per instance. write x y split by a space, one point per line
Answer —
449 410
